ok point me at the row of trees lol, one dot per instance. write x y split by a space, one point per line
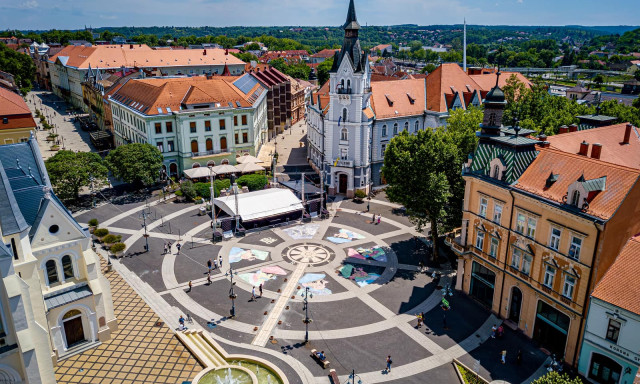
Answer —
69 172
19 65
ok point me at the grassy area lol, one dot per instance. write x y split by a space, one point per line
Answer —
468 376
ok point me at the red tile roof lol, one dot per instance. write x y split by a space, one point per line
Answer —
625 270
488 80
140 55
12 103
398 98
570 168
326 53
611 138
173 92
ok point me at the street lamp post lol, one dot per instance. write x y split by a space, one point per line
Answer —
352 377
306 320
143 216
213 208
232 294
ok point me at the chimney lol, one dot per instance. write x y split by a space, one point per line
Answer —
573 128
563 129
627 133
596 150
584 148
542 137
204 52
130 46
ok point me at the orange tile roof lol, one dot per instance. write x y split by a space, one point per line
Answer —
140 55
12 103
610 137
439 84
625 269
326 53
323 92
407 97
368 112
569 168
173 92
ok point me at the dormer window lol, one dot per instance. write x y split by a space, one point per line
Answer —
497 168
496 172
575 198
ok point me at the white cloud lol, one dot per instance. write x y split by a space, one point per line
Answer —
30 4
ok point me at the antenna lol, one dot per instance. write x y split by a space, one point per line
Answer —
464 52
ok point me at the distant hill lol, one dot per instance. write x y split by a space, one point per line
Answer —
609 30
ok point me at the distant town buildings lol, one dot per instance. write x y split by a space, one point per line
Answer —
69 67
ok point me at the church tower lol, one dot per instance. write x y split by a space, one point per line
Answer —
494 105
347 131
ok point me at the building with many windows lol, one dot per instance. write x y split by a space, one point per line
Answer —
194 121
541 226
54 300
68 68
610 352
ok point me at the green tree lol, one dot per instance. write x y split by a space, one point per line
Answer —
556 378
70 171
417 168
19 65
323 71
598 80
136 163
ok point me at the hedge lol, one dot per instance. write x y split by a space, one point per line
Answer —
254 182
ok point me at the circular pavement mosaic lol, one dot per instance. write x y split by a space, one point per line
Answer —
310 254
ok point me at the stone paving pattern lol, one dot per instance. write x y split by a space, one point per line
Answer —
139 352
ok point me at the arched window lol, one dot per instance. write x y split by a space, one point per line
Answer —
52 272
395 129
195 165
223 143
211 163
406 126
209 144
225 161
342 84
344 115
344 135
348 85
173 169
496 172
67 267
575 198
194 146
384 130
71 313
416 127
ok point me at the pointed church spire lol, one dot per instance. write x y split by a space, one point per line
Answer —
352 20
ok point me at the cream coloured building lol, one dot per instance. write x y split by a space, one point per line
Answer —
54 300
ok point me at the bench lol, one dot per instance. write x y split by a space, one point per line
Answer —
334 377
324 363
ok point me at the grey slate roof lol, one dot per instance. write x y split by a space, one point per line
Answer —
63 298
11 219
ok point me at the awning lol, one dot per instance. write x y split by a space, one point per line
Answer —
63 298
224 169
196 173
249 167
260 204
248 159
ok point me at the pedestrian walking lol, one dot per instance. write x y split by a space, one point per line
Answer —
209 265
503 356
389 362
260 289
419 316
519 357
500 331
373 218
253 294
178 246
209 278
181 320
220 261
379 218
368 206
215 264
190 286
169 246
164 252
493 331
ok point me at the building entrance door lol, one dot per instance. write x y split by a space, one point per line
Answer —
551 328
73 328
604 370
482 284
516 304
343 183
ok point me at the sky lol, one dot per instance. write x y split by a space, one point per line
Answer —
75 14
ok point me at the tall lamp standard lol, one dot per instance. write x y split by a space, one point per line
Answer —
305 308
352 378
213 208
232 294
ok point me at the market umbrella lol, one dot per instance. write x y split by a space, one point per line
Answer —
248 159
225 168
249 167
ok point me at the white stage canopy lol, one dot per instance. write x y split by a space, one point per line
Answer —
260 204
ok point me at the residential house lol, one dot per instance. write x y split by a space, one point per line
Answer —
543 220
323 55
54 299
16 121
609 352
383 48
631 87
193 121
279 98
69 66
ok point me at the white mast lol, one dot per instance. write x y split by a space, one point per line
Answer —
464 53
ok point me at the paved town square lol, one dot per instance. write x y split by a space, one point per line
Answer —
357 321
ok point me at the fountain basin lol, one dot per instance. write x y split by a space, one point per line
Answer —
227 375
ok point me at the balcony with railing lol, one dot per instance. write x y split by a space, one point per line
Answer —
207 153
454 241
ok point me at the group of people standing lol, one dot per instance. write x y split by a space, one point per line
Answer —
168 248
